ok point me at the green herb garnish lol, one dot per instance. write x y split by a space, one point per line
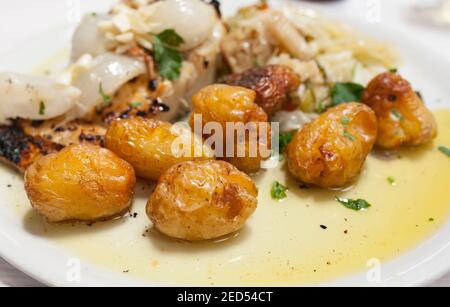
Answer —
170 38
168 59
348 135
284 140
396 114
346 92
41 108
393 70
357 205
135 104
106 98
345 120
391 180
320 108
278 191
445 150
431 219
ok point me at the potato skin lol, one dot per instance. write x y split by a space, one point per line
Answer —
224 104
330 151
403 118
273 85
147 145
202 200
80 183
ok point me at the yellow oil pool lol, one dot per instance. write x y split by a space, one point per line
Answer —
283 243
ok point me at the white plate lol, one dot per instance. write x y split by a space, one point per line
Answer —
53 266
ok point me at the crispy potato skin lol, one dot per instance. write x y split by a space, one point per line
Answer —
224 104
330 151
149 145
80 183
202 200
273 85
403 118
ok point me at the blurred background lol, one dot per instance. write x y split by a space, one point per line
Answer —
427 20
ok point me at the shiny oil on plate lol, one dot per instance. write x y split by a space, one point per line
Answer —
307 239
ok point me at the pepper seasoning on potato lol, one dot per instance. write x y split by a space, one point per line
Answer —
403 118
226 105
80 183
152 146
202 200
330 151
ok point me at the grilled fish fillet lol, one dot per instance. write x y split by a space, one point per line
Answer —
25 141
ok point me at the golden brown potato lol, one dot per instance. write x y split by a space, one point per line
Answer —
153 146
273 84
80 183
202 200
330 151
403 118
222 104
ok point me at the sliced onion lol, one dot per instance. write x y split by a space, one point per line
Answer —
34 97
107 74
87 38
193 20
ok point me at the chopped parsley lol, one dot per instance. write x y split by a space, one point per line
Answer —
278 191
346 92
348 135
284 140
168 59
320 108
431 219
170 38
391 180
106 98
354 204
345 120
396 114
393 70
445 150
135 104
41 108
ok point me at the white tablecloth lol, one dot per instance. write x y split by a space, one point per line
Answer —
395 13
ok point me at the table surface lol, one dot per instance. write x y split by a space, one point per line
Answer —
395 13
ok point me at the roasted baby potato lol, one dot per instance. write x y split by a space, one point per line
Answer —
201 200
153 146
403 118
80 183
224 105
330 151
273 84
